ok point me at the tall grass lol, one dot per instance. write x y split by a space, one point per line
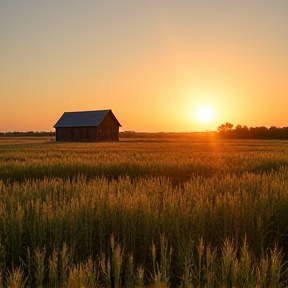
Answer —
170 213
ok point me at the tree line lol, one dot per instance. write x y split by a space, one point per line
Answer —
27 134
228 130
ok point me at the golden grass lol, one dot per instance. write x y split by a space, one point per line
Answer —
85 209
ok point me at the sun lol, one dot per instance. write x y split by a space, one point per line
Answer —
204 113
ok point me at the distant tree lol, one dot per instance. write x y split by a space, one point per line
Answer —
284 134
237 131
225 130
274 132
243 132
225 127
259 132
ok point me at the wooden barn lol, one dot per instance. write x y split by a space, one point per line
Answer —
100 125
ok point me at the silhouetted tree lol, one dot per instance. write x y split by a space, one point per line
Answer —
243 132
224 130
225 127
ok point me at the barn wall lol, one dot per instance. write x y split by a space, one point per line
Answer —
108 130
75 134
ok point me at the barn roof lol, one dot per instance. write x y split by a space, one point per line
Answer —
83 118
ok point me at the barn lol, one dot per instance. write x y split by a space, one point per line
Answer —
98 125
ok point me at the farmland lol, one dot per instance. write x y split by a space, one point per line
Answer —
179 211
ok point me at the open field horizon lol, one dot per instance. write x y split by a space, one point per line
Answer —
224 131
165 212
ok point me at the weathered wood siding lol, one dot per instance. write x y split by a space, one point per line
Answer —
108 130
76 134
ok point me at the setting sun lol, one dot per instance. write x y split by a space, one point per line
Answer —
164 76
205 113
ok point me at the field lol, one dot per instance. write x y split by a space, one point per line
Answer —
166 211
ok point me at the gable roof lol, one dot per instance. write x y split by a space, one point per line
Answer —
83 118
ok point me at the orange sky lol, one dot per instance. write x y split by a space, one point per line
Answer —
151 62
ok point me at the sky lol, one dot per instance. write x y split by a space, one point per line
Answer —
153 62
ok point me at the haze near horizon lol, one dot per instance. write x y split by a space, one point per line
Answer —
161 66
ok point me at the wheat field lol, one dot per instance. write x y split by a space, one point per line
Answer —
144 212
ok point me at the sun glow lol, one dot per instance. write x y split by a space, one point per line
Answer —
204 113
